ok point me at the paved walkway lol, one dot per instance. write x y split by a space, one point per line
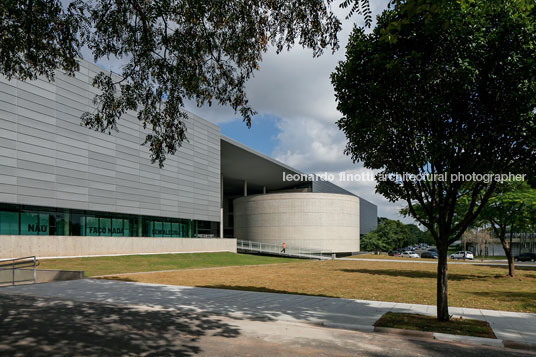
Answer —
36 326
257 306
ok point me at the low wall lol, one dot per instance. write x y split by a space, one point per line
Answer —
42 275
66 246
48 275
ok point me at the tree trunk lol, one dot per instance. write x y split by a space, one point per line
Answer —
442 288
511 267
508 252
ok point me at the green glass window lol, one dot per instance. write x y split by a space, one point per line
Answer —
29 223
175 230
118 229
183 229
105 226
166 229
91 226
44 224
157 229
9 223
62 225
30 220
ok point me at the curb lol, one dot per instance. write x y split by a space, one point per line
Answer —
468 339
355 327
519 345
399 331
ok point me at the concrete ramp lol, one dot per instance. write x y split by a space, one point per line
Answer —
251 247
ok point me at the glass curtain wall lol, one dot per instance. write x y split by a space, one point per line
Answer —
32 220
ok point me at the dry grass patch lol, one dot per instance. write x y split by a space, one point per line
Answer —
388 257
473 286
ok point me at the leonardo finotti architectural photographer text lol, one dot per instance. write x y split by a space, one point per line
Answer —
370 176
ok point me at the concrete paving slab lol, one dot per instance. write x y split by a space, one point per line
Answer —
469 339
514 327
35 326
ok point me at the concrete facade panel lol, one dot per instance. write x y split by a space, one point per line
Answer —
42 140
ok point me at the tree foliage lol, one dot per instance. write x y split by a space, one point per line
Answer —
40 36
172 50
442 88
390 235
511 209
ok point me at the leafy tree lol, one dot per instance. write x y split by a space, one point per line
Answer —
415 235
427 238
374 242
40 36
172 49
439 89
510 210
390 235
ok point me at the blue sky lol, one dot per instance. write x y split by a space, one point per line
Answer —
262 136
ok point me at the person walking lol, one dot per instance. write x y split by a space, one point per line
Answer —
284 250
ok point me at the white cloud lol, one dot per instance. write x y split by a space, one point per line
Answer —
297 88
311 145
293 84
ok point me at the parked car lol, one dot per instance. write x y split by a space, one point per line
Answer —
394 253
429 255
432 250
462 255
409 254
525 257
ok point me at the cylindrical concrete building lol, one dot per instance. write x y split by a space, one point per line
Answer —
325 221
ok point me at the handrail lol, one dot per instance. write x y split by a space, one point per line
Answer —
21 264
275 249
9 259
15 264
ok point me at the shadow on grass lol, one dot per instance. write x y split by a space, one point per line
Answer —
259 289
420 274
505 267
31 326
525 299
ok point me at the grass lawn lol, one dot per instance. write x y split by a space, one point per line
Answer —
373 256
491 257
94 266
379 256
484 287
418 322
388 257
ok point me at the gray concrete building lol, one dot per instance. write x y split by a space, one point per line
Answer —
58 178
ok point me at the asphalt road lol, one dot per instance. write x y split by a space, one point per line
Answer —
32 326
